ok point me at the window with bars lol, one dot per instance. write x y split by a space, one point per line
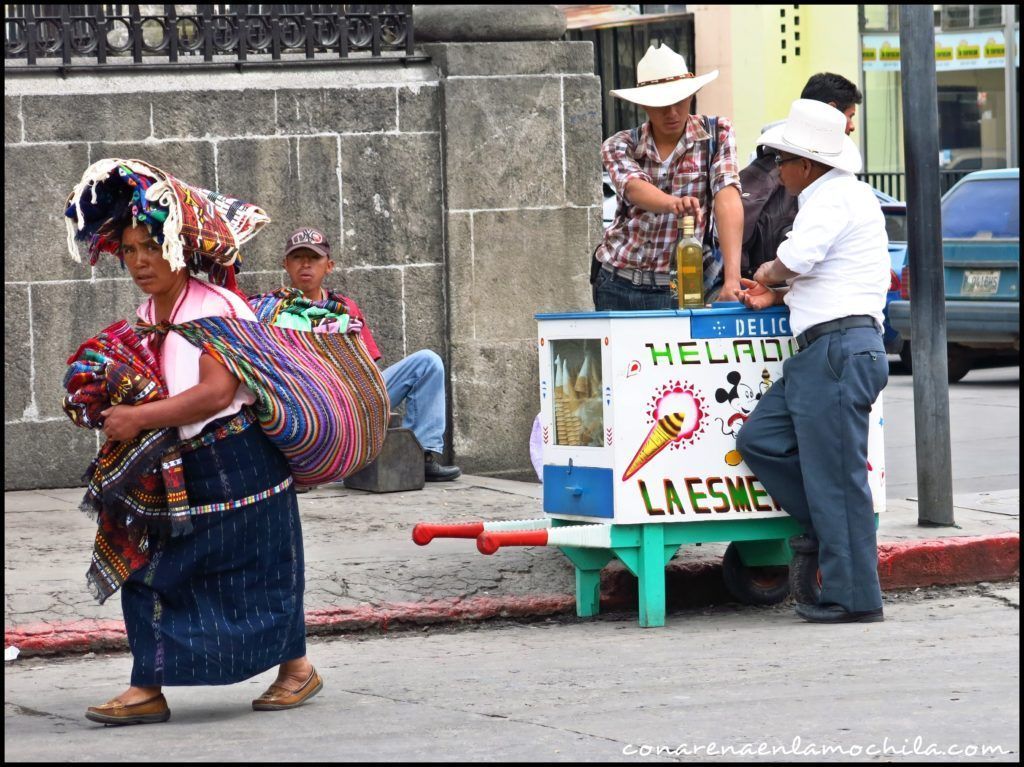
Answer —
956 17
988 15
970 16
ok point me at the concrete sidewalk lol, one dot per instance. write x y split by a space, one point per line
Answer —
364 572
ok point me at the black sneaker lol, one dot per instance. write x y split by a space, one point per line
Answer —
435 471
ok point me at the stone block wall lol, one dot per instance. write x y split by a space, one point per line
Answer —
521 130
460 197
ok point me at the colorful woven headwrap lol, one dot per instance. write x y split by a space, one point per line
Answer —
196 227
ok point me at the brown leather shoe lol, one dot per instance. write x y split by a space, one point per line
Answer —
115 712
278 698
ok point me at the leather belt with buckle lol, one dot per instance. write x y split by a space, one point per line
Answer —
815 332
637 277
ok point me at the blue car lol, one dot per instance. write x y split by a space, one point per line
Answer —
895 213
981 265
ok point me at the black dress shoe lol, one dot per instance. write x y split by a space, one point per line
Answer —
435 471
837 614
803 544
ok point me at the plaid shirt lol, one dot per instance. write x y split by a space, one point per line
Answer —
640 239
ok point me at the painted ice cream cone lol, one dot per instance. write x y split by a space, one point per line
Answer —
665 430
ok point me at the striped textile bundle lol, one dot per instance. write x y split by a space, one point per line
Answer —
320 398
128 481
111 368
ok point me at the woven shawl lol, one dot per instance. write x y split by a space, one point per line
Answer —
129 481
319 397
194 225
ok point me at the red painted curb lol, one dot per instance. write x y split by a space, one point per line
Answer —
946 561
909 564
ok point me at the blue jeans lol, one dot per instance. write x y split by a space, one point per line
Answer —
807 442
614 295
418 380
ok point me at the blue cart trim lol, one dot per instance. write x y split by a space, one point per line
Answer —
769 323
580 490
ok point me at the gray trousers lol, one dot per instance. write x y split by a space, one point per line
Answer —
807 442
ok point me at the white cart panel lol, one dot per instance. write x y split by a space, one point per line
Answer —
640 412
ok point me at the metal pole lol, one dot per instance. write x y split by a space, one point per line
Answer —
1011 86
924 243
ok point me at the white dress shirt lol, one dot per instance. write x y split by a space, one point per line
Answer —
839 250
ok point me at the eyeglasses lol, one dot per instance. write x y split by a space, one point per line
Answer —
779 159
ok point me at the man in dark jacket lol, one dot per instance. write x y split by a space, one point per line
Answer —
768 210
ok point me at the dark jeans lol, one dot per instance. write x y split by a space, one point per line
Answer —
616 295
807 441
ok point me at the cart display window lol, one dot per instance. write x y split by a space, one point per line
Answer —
576 372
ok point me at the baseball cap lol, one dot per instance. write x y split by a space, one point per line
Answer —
308 237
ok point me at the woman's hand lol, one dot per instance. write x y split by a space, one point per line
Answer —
755 295
121 422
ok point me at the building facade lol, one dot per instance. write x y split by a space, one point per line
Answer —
978 123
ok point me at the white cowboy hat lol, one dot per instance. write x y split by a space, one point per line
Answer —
818 132
662 78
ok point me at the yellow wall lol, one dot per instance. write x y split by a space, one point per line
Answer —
883 123
744 42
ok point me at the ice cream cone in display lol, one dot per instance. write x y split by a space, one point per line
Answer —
567 379
583 379
665 430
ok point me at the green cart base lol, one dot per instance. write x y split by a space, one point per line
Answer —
645 550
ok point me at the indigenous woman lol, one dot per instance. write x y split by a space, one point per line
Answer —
219 600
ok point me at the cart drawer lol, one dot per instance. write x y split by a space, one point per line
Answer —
582 490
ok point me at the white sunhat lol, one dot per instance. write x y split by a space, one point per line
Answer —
818 132
662 79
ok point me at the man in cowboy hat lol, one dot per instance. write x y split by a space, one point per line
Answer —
674 164
807 438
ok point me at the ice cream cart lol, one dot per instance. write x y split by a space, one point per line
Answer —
639 417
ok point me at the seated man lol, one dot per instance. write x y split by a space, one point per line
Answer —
418 380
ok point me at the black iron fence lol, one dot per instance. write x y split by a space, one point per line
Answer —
894 184
77 35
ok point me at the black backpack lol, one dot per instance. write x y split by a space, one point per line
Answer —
768 213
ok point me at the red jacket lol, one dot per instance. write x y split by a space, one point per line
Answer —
355 313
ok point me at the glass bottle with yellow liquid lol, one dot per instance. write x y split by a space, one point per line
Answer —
689 266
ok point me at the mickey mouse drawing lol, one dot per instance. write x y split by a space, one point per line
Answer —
743 399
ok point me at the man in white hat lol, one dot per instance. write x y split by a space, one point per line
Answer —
674 164
807 439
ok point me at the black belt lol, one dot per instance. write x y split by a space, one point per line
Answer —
815 332
638 277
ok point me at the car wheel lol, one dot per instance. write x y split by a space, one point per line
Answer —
958 360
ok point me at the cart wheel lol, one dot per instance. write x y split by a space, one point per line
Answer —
754 585
805 578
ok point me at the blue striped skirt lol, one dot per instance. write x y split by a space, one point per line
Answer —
224 602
